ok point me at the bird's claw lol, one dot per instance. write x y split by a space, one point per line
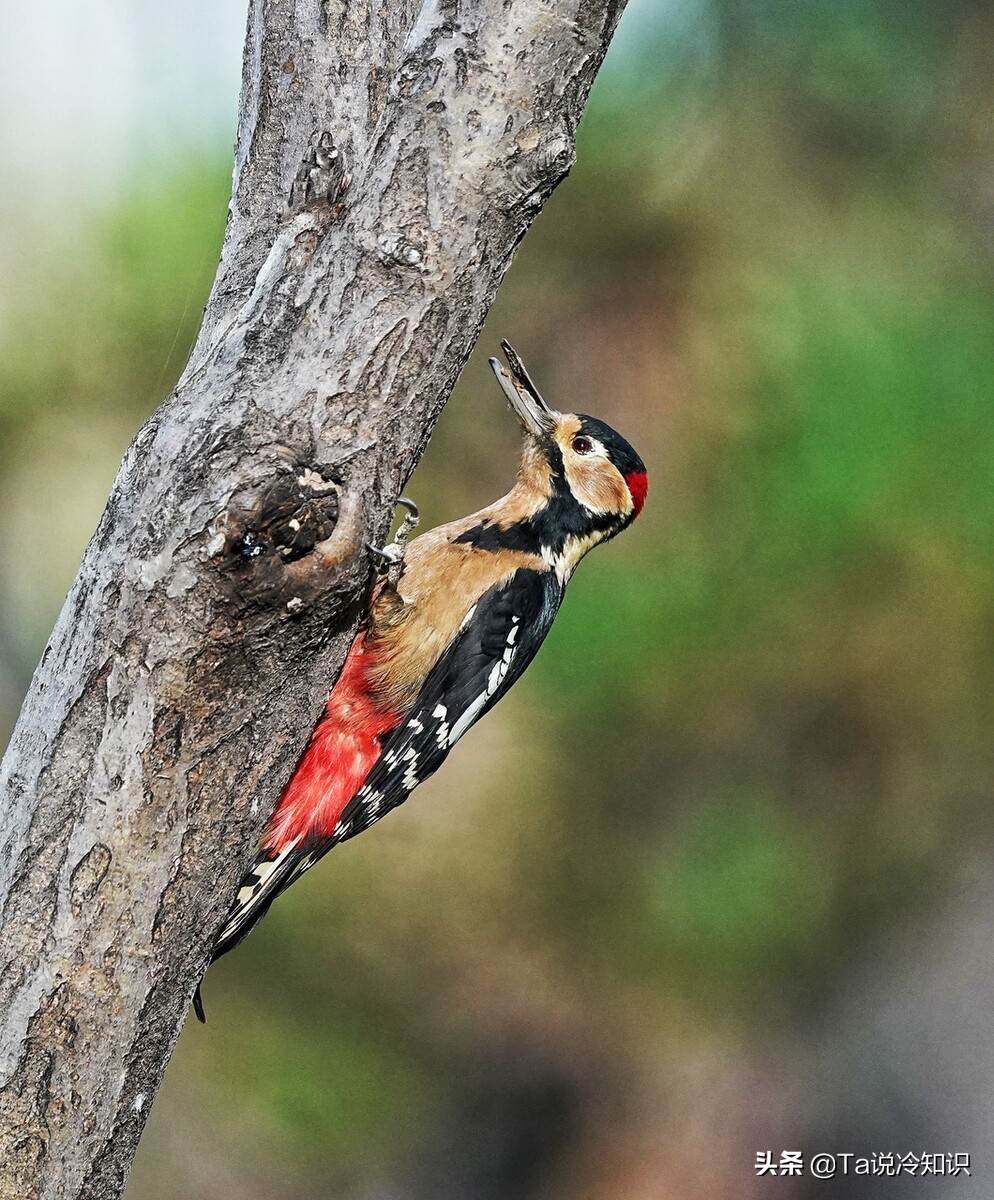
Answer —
409 523
389 559
385 557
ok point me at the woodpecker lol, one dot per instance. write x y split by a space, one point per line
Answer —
454 619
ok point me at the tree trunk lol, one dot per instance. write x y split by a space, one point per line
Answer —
220 591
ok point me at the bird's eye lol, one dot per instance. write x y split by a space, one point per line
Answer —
582 445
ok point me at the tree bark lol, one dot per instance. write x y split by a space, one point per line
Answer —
219 594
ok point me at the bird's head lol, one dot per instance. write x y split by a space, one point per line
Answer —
574 460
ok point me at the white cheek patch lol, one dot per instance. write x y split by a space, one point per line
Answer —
581 475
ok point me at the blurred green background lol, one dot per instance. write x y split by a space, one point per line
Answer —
715 879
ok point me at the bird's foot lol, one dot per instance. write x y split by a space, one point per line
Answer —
389 560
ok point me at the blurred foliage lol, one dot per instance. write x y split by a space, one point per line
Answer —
757 743
111 325
93 339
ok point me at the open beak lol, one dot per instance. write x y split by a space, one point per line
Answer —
523 396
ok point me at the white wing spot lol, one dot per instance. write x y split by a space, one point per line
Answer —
440 713
411 779
496 677
468 717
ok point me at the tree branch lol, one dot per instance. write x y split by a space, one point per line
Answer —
220 592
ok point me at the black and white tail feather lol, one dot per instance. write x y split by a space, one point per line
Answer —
268 876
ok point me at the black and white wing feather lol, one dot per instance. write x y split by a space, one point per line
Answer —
499 637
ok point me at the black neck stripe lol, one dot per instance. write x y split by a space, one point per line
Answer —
549 529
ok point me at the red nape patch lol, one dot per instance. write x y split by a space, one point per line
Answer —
638 485
342 750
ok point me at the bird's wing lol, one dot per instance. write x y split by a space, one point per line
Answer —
499 637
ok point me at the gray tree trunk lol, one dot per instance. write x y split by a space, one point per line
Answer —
220 592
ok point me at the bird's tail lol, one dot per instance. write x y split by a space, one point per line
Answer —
272 873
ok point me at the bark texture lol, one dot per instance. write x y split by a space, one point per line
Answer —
220 591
